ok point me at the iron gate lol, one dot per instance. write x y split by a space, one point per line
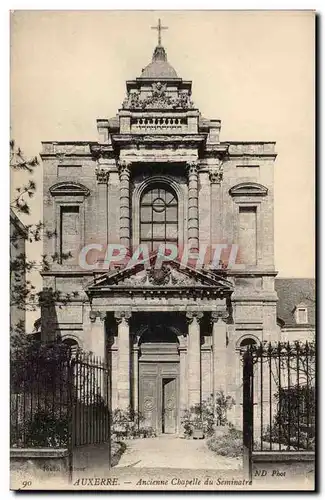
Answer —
90 404
59 399
279 406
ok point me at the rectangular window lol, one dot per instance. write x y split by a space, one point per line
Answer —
301 316
247 235
69 230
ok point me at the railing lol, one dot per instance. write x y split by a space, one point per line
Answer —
91 418
279 397
159 124
40 398
58 398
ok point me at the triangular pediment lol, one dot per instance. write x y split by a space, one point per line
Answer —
170 275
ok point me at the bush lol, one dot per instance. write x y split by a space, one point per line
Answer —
229 444
209 415
44 429
128 424
294 423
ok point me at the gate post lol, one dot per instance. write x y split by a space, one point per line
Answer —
248 412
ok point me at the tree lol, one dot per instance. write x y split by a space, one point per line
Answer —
23 294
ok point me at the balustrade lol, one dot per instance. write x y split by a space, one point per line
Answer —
159 124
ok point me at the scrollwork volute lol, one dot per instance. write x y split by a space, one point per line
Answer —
219 316
122 316
93 315
194 315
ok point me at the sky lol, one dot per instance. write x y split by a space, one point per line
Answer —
252 70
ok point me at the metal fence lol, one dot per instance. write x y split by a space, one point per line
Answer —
40 398
279 397
58 398
91 395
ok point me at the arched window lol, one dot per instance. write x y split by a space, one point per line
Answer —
158 216
247 341
73 344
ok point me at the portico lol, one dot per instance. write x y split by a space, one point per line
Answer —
156 336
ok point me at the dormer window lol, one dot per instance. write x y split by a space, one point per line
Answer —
301 315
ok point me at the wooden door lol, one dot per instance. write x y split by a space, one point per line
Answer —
149 401
169 405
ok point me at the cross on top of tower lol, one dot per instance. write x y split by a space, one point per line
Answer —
159 28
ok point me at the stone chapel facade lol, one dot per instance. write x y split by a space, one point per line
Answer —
159 173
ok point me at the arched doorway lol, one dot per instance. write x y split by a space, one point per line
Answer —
159 378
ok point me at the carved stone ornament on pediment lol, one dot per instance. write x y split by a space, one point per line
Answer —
159 99
166 276
159 276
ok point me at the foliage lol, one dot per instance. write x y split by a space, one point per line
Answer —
23 294
211 413
227 444
45 429
129 424
294 422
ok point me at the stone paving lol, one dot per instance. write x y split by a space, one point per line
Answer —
174 453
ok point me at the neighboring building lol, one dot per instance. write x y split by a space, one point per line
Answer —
159 173
296 308
18 237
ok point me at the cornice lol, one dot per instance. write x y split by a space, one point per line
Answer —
65 155
136 139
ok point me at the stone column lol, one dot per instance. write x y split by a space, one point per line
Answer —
216 223
194 358
205 213
193 206
219 354
123 362
125 227
97 333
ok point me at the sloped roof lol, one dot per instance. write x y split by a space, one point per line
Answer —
291 293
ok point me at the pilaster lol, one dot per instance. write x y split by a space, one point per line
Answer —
102 177
193 206
125 226
216 212
98 333
219 353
